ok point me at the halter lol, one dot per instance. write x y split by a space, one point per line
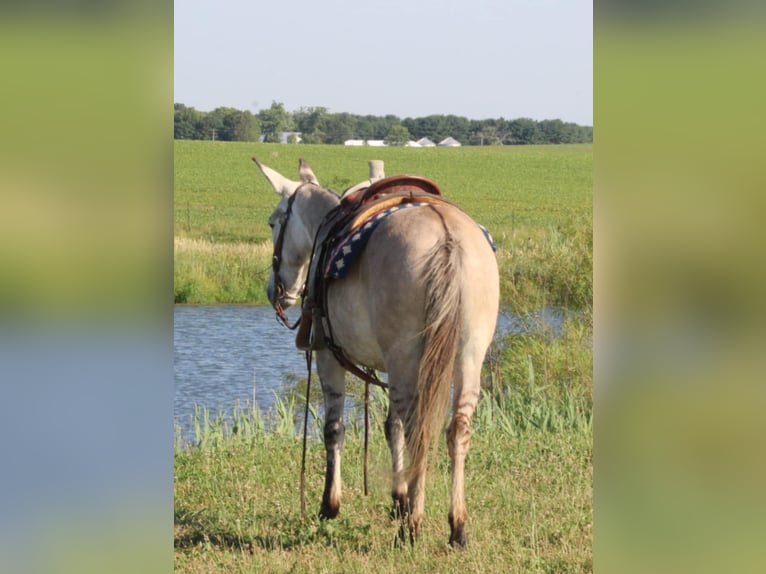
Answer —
276 260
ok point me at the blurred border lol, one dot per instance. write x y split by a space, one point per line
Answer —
86 287
680 193
86 284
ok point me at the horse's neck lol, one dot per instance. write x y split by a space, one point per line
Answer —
313 211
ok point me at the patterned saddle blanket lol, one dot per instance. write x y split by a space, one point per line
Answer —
347 251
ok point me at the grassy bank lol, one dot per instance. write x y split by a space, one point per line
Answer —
536 201
205 272
529 501
528 478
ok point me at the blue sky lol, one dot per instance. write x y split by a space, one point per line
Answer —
410 58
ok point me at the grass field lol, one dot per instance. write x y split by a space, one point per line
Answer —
530 507
536 201
529 473
528 486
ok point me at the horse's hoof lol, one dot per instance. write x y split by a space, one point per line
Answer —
457 538
328 512
460 544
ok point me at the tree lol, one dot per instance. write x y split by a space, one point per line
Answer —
274 121
438 127
426 127
187 123
309 121
397 136
242 126
338 128
457 127
485 135
316 125
212 125
230 124
524 131
553 131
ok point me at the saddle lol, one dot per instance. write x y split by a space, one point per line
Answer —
357 206
389 185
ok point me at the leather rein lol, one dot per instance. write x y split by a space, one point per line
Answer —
367 376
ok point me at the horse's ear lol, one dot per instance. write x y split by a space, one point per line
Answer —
305 172
279 182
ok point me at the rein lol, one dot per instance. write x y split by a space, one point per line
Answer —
305 431
367 375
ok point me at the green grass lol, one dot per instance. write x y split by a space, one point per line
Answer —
208 273
219 191
536 201
529 499
529 478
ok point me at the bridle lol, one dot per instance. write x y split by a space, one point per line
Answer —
276 260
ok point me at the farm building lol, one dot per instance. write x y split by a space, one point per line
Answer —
450 142
286 137
371 143
377 143
425 142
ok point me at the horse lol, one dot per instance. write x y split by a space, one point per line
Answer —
419 304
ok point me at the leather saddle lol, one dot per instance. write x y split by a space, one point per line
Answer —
390 185
354 209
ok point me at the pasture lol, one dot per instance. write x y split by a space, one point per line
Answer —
535 200
529 470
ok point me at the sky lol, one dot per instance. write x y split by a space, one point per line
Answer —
478 59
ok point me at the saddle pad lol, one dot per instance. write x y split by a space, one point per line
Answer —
347 252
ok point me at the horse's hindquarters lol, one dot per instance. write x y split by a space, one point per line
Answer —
378 308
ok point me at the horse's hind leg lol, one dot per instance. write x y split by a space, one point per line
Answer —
458 440
401 502
333 380
395 437
402 376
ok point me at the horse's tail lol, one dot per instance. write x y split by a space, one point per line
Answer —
441 337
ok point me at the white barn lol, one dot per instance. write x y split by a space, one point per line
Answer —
450 142
371 143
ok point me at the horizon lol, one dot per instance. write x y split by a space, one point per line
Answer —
389 114
488 60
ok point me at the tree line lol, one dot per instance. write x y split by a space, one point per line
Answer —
317 125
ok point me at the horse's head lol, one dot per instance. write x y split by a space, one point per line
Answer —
292 239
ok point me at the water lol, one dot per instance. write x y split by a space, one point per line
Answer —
228 353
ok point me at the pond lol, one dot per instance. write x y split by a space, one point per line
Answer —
228 353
